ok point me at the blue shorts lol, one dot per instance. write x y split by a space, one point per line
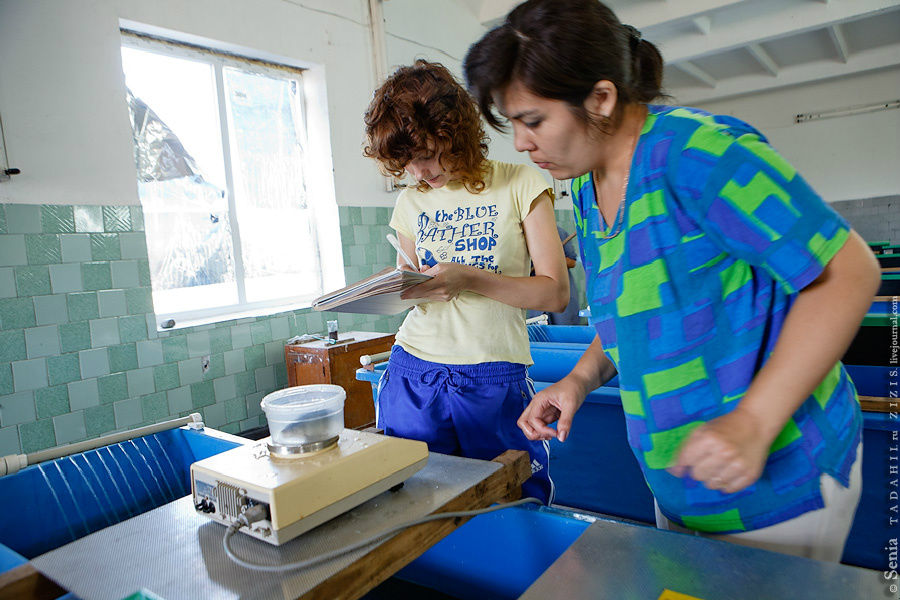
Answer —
465 410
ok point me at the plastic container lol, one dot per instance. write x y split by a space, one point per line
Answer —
305 414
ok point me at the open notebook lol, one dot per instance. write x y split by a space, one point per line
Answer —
375 295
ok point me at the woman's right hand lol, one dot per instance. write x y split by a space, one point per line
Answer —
559 402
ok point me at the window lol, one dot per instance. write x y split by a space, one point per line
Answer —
222 159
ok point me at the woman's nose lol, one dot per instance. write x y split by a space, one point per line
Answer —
521 141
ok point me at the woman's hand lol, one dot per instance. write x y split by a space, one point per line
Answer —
448 280
726 454
559 402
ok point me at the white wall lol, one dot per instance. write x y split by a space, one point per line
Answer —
62 88
845 158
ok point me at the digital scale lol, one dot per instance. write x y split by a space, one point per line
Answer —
301 487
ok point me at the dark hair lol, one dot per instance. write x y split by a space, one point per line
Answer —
420 108
559 49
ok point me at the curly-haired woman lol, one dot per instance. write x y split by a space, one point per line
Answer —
457 375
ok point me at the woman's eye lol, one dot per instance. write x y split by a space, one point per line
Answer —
532 124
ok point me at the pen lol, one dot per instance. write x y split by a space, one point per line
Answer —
393 240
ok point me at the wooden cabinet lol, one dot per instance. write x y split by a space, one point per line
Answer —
319 362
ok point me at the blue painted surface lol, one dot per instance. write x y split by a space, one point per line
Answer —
68 498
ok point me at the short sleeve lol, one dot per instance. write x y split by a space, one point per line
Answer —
400 218
526 184
755 205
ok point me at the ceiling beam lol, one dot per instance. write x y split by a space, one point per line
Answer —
697 73
769 25
703 24
859 62
840 43
763 58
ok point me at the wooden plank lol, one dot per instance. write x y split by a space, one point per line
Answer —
26 583
391 556
875 404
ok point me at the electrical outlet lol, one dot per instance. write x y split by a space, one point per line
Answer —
204 364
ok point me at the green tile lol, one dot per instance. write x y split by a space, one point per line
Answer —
140 382
216 367
174 349
112 303
76 248
355 215
96 276
149 353
37 435
245 383
261 332
30 374
9 441
43 249
281 329
122 358
42 341
165 377
214 415
274 353
63 368
6 379
128 412
369 215
112 388
117 218
51 401
51 310
84 394
240 336
225 388
133 245
347 237
99 420
137 218
104 332
155 407
83 306
265 379
235 410
74 336
202 394
254 357
144 272
57 219
124 275
23 218
32 281
179 400
190 371
139 300
7 283
70 428
94 363
152 332
66 278
198 344
232 428
281 378
220 340
88 219
17 408
12 346
16 313
12 250
105 246
234 362
132 328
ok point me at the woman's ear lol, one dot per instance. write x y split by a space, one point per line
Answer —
601 102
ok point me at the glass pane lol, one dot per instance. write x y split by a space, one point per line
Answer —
278 235
178 151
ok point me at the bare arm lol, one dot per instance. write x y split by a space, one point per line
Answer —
560 401
548 289
729 452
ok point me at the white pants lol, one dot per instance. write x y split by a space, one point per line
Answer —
819 534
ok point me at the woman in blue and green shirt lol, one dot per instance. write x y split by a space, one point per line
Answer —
722 288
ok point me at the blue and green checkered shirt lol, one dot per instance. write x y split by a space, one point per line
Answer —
720 234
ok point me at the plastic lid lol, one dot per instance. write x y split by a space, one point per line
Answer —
304 399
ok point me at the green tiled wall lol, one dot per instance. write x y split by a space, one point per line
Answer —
80 355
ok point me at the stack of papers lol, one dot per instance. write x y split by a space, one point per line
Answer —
375 295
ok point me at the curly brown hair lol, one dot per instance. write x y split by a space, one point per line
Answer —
422 109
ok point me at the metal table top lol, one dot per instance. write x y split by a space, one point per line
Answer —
176 553
617 561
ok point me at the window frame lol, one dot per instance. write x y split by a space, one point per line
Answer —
218 60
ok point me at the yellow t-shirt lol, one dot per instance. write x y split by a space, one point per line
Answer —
482 230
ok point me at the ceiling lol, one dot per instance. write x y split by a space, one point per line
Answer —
716 49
